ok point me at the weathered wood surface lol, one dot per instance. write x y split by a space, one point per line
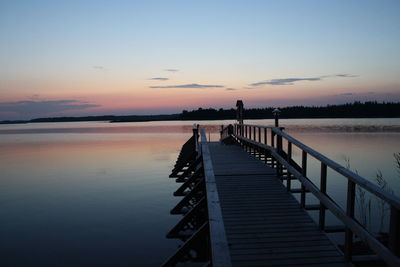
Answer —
264 224
219 247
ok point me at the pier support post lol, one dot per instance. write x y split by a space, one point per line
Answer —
394 231
196 137
304 173
276 116
351 196
239 111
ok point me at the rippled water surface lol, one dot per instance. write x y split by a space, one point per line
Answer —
98 193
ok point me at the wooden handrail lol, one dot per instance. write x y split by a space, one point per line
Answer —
243 133
259 126
364 183
220 254
360 231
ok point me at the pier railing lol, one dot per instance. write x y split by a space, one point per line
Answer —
201 228
267 144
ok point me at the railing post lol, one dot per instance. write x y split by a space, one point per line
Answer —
230 129
255 139
304 173
249 132
265 136
273 145
351 196
276 115
323 190
259 134
289 159
196 137
222 131
279 148
394 231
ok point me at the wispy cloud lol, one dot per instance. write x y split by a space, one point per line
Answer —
98 67
159 79
347 94
172 70
291 81
345 75
42 107
284 81
230 89
191 85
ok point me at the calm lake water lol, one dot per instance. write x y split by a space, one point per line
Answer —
98 193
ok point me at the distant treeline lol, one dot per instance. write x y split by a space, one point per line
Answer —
351 110
110 118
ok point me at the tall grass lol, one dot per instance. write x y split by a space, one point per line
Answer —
397 162
364 203
383 207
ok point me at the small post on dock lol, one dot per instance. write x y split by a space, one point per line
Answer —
276 115
196 136
239 115
239 111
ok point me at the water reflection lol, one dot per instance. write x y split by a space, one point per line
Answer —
98 194
95 200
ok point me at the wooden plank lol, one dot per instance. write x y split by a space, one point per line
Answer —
219 244
321 261
309 232
289 255
316 247
267 221
253 229
275 239
253 217
280 244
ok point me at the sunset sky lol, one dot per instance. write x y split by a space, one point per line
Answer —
61 58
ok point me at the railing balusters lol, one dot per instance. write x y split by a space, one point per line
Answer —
273 145
259 134
279 148
304 173
265 136
323 190
351 196
289 159
250 134
254 138
394 231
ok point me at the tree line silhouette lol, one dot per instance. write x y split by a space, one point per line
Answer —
357 109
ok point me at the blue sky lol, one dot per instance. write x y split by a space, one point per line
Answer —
104 55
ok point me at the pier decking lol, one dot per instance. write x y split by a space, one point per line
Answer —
264 223
238 208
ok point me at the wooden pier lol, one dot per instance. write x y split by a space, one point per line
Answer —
238 208
264 223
